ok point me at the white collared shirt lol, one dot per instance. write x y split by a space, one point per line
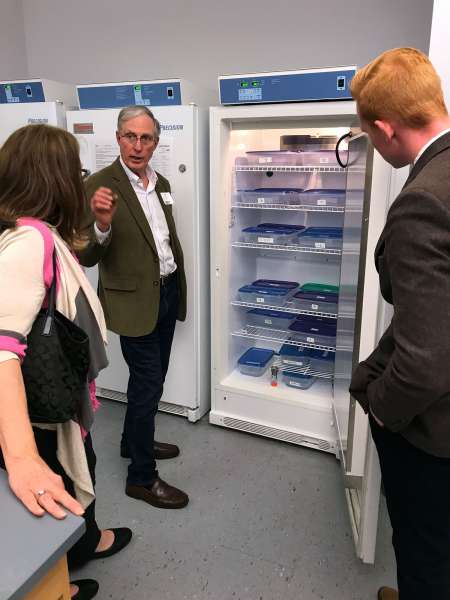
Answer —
428 144
149 201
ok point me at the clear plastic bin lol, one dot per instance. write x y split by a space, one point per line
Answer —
266 235
320 238
294 356
322 197
313 330
298 380
322 158
270 157
264 295
277 284
321 361
268 196
315 302
255 361
269 318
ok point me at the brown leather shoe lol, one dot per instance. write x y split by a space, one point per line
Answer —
163 451
159 494
387 593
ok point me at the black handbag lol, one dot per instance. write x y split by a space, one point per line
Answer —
56 364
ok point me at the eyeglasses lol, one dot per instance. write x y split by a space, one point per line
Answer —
146 139
85 173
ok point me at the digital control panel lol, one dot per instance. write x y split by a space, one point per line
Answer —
118 95
293 86
21 92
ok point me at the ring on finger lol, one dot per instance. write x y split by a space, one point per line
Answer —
40 493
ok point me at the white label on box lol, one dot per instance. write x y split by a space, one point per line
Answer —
260 300
315 306
268 321
310 340
264 159
265 240
261 200
292 362
294 383
319 245
323 159
321 202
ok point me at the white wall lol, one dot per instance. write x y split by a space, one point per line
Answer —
13 56
440 44
112 40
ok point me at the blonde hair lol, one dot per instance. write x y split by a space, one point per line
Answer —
401 85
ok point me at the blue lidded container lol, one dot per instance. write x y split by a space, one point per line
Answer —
263 317
294 356
314 330
298 380
326 303
255 361
270 296
269 235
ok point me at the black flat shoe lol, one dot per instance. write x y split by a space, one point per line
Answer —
87 589
162 451
122 537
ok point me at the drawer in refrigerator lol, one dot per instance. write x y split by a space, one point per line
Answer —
267 235
321 197
264 295
269 158
268 196
255 361
315 302
325 158
269 318
298 380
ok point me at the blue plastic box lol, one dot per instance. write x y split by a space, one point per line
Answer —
323 197
298 380
314 330
255 361
316 302
323 238
270 235
261 317
264 295
294 356
261 196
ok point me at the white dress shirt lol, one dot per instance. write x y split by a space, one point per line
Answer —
155 216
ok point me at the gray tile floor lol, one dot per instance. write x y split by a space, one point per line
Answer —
266 521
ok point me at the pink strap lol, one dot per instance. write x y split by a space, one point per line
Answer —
49 245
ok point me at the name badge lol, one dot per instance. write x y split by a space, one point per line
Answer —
167 197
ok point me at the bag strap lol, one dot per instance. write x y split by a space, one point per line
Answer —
50 312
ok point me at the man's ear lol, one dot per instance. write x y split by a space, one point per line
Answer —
385 128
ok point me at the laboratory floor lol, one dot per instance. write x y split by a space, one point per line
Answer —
266 521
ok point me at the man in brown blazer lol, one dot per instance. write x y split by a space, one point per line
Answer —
404 384
142 288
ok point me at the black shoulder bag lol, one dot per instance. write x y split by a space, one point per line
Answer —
56 364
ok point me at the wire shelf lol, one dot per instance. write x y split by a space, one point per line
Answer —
276 335
287 309
288 169
277 362
282 248
298 207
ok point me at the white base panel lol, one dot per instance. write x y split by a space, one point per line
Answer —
282 413
192 415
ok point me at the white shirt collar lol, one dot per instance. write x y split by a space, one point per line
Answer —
428 144
151 174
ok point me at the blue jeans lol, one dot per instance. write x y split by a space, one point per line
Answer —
147 358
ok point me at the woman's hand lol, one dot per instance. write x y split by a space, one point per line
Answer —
39 488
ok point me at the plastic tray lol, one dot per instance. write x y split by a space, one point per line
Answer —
277 284
322 197
320 238
270 157
294 356
264 295
269 318
320 288
298 380
322 158
282 226
315 302
255 361
266 235
313 330
269 196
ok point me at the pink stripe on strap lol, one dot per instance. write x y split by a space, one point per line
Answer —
12 345
49 245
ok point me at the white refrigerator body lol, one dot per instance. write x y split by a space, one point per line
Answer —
181 157
250 404
13 116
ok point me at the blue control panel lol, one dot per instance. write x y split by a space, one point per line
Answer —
21 92
298 86
164 93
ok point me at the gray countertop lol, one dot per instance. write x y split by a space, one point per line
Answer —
29 545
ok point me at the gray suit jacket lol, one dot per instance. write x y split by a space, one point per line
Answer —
406 380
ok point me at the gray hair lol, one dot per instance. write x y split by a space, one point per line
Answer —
130 112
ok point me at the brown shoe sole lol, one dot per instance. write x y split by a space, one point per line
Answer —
150 499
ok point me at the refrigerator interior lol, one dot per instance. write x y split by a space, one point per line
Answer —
248 262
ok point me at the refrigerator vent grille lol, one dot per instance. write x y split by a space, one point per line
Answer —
111 395
279 434
175 409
